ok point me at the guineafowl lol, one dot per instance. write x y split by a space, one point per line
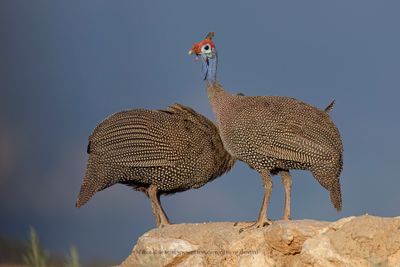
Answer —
274 134
154 151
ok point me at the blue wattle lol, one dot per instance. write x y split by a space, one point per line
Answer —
209 68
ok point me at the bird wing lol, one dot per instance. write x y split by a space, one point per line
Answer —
288 141
285 128
137 138
199 120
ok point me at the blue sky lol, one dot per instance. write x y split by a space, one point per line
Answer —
66 65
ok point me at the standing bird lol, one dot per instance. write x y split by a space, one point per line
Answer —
274 134
154 151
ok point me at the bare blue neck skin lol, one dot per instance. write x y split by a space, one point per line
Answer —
209 67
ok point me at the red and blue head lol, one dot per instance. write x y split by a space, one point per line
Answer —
205 49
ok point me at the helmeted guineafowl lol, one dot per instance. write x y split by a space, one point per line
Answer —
155 151
274 134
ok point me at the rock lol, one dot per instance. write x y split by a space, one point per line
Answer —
353 241
362 241
288 237
151 251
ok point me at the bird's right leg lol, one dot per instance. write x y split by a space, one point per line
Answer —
262 216
287 183
158 212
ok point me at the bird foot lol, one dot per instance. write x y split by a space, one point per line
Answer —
257 224
162 225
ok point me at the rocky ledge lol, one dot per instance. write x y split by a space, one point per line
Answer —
353 241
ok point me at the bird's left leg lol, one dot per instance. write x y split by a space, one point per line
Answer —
287 183
159 214
262 216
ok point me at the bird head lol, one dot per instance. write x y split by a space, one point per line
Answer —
205 49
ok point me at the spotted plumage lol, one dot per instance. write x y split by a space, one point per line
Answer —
155 151
274 134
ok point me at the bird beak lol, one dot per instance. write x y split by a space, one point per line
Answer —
190 52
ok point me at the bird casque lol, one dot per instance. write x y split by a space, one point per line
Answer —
274 134
154 151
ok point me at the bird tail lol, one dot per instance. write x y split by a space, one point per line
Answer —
336 195
91 182
330 106
331 182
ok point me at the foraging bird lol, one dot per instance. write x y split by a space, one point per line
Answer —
154 151
274 134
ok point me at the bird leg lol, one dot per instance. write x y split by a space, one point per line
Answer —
158 212
287 183
262 216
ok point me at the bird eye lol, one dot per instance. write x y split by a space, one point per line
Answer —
206 48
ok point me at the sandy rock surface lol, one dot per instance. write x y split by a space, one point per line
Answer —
353 241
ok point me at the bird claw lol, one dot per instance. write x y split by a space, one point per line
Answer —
256 225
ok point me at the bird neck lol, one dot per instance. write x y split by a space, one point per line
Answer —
219 99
